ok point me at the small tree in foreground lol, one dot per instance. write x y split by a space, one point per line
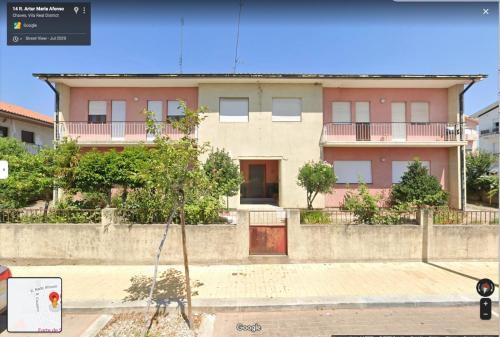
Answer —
316 177
224 173
478 165
418 187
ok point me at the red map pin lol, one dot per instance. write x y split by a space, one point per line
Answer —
54 297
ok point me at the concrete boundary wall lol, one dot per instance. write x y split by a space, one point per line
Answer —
114 243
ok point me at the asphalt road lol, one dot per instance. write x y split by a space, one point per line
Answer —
384 321
74 325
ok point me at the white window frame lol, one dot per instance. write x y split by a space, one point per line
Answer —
233 118
396 175
340 103
416 108
353 175
174 112
285 117
360 106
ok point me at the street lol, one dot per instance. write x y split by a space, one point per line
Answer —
462 320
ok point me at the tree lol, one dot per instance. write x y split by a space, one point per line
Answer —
362 204
224 172
418 187
316 177
173 174
477 164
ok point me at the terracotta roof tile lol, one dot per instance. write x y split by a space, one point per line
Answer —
26 113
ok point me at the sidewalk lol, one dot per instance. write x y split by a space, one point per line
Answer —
276 285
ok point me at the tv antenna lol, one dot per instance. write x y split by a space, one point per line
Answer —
236 59
181 44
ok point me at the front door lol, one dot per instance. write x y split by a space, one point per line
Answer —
398 122
118 120
257 181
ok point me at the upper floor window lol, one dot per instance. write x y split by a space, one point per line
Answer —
287 109
4 131
97 111
174 110
341 112
353 171
156 107
233 110
419 112
28 137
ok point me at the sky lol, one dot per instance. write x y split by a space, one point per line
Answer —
314 36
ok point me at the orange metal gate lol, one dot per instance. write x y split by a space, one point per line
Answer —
268 232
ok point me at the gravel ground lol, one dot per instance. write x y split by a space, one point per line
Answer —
164 325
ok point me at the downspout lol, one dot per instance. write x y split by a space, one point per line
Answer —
462 147
55 193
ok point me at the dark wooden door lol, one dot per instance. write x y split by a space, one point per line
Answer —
257 181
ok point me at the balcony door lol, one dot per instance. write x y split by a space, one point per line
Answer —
362 121
156 107
118 109
398 121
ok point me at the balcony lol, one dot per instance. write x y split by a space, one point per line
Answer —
487 132
114 133
393 134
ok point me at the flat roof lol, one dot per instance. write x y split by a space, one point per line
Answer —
327 80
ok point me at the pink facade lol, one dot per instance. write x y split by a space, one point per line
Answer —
133 128
381 98
381 166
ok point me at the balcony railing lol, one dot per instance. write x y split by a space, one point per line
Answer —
128 132
390 132
489 131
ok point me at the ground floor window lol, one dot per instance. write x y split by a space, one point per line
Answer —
399 167
4 131
28 137
353 171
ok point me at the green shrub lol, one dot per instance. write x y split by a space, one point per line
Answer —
315 217
362 204
204 210
478 165
316 177
418 187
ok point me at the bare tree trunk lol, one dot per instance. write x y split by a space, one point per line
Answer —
186 266
155 274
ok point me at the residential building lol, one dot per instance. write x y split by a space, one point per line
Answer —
488 129
471 135
32 128
368 127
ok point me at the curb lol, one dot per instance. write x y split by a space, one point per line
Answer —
97 326
279 304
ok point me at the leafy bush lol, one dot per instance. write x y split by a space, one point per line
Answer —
204 210
315 217
418 187
316 177
363 204
478 165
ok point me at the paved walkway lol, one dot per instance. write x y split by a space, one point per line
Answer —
276 284
372 321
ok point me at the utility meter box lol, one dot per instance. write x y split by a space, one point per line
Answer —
4 169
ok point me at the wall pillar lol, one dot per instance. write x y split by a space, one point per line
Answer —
243 223
426 221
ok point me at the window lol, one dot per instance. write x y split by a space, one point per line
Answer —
28 137
97 112
233 110
362 112
353 171
174 110
4 131
400 167
419 112
287 109
341 112
156 107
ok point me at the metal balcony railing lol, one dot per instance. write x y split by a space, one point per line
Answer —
391 132
115 131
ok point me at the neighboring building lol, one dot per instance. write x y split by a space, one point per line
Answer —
488 128
471 134
32 128
367 126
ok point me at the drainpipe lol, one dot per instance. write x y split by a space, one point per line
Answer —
462 147
55 194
